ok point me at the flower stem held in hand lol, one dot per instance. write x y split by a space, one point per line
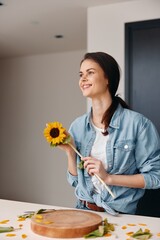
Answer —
55 134
108 189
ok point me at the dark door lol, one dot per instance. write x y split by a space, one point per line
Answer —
142 80
143 68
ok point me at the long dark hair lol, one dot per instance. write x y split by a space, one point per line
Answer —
112 72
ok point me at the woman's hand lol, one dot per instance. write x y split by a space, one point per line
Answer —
68 149
95 166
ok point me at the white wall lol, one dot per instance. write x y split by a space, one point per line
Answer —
106 27
33 91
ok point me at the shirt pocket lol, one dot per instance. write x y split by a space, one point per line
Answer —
123 156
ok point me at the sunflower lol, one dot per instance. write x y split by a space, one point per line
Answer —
55 134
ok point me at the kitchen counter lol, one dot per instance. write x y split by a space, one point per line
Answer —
10 210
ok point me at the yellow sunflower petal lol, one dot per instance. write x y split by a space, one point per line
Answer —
142 224
129 233
10 235
38 216
124 227
24 236
4 221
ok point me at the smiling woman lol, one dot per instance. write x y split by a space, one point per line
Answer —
114 142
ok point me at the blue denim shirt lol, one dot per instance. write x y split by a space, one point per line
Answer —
133 147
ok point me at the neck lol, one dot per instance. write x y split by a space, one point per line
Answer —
99 107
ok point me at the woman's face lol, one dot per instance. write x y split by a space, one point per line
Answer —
92 80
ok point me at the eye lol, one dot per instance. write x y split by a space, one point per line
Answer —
90 72
80 75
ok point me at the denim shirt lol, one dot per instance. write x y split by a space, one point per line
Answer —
133 148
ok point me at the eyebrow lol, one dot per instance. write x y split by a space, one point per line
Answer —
88 70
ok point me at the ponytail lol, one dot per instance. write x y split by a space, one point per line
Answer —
121 101
110 111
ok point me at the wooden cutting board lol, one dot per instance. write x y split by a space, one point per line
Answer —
65 223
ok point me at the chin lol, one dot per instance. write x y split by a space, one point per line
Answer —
86 94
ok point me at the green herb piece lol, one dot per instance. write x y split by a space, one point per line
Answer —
102 230
97 233
27 215
41 211
6 229
143 235
32 213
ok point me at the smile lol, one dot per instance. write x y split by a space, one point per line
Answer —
86 86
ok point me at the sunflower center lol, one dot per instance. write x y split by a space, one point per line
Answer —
54 132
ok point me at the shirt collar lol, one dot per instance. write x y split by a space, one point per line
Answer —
115 120
88 123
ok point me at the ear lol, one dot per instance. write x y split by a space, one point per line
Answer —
107 81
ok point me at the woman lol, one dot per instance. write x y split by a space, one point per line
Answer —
121 146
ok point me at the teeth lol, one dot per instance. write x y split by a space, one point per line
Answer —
86 86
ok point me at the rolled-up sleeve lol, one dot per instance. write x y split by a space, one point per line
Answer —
73 180
148 155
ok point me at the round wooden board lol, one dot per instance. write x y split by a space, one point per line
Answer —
65 223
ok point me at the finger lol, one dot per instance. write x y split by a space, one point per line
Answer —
91 168
86 158
92 171
88 162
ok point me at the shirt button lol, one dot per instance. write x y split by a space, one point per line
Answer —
126 146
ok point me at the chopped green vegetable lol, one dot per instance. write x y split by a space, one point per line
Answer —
32 213
108 226
143 235
102 229
41 211
6 229
26 215
96 233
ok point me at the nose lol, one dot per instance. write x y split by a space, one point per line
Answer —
84 78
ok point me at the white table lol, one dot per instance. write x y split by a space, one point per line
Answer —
10 210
